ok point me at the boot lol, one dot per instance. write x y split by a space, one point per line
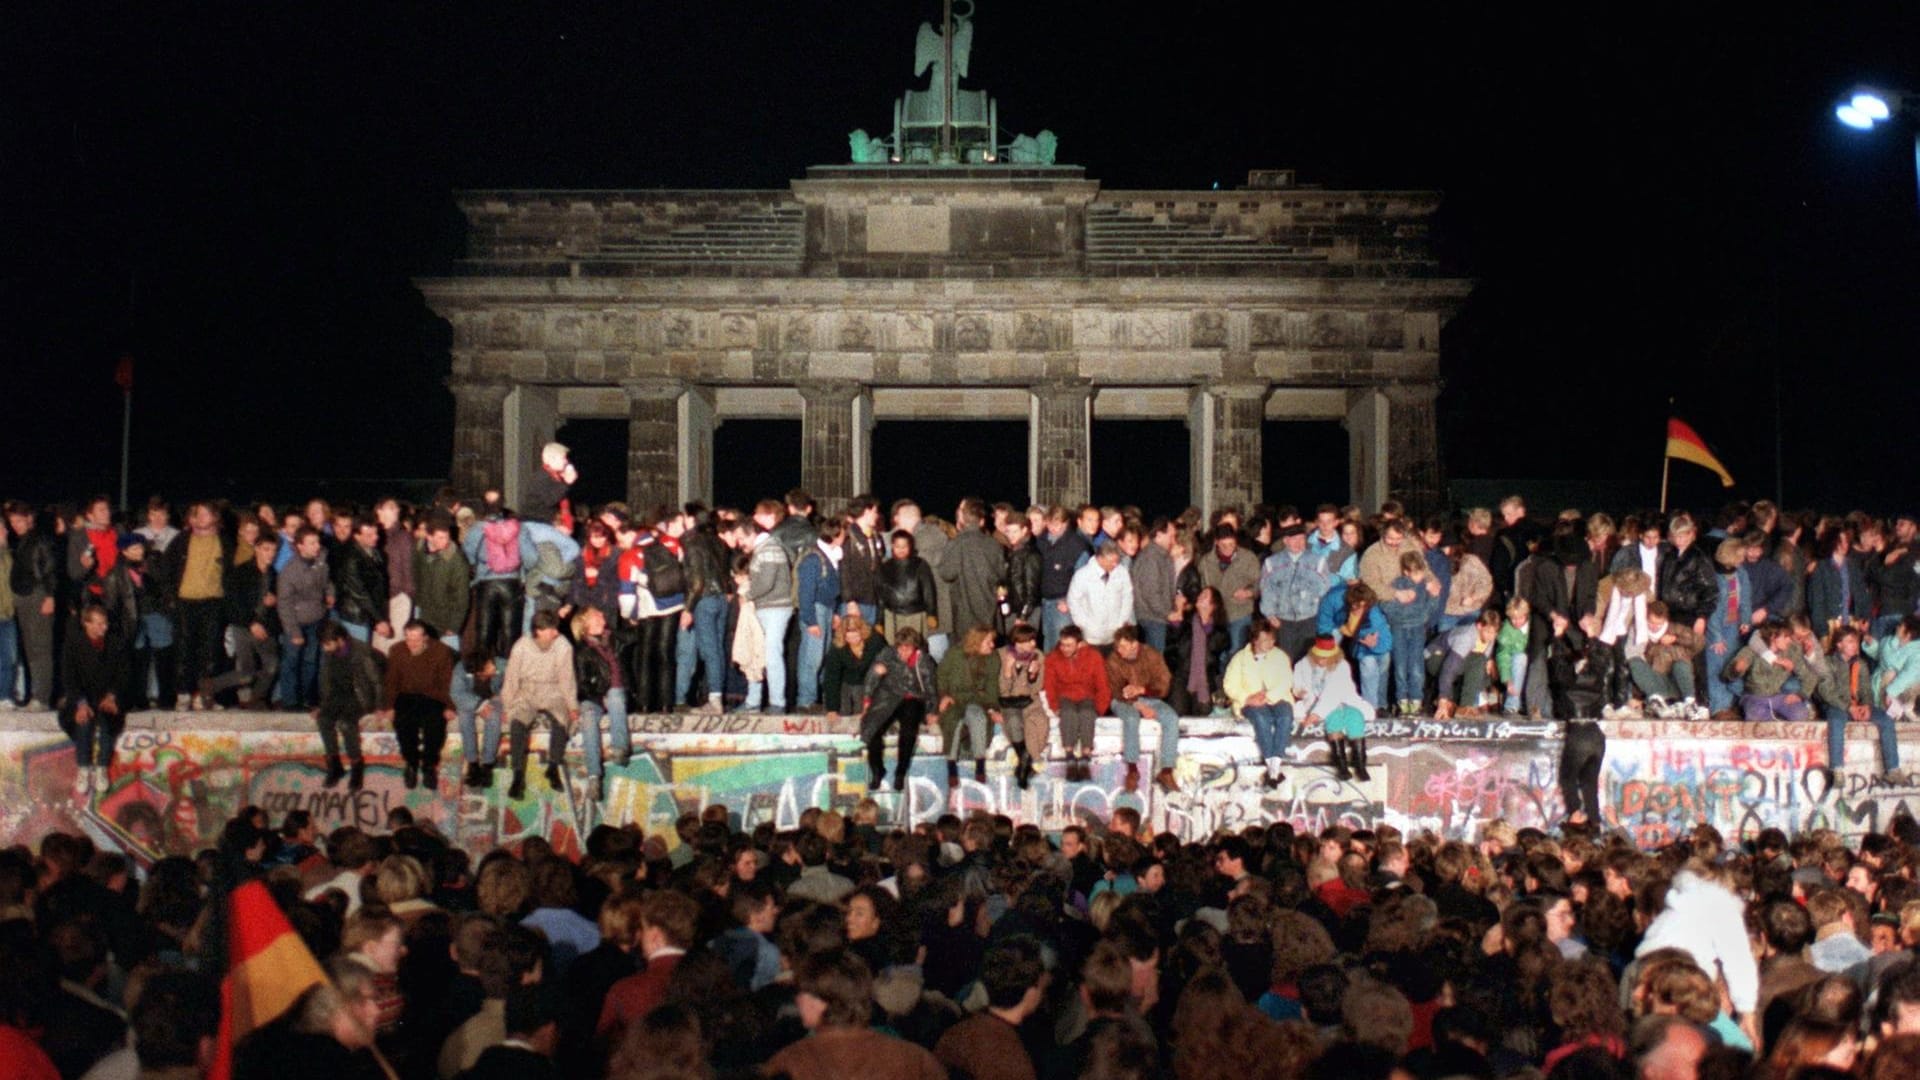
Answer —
1337 751
357 775
411 775
980 769
900 778
472 778
555 778
953 775
1165 781
335 773
1023 768
1133 776
1357 758
518 789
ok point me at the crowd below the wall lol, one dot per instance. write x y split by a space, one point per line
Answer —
970 948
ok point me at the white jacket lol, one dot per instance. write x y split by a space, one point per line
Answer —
1710 923
1322 690
1100 602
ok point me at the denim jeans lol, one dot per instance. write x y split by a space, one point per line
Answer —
466 705
1129 714
704 642
1517 683
1373 679
1836 718
615 710
1676 685
359 632
1272 728
1773 707
1154 634
9 659
1409 663
813 650
973 727
773 623
1052 619
1237 632
300 667
1720 693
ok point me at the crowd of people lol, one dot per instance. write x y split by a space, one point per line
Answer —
1007 628
978 949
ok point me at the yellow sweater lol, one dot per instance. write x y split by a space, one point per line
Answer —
200 577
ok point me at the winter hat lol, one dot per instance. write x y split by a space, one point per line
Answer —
130 540
554 456
1325 647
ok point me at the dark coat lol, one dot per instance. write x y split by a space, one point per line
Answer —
360 585
246 589
1689 584
842 669
899 681
972 569
1180 645
89 674
1547 589
592 676
1023 583
705 559
1825 593
36 566
905 586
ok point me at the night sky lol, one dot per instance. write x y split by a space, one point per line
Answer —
1656 203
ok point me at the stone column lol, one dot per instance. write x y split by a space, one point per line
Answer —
1227 444
532 421
832 442
1413 455
653 443
1061 445
1366 425
698 419
479 449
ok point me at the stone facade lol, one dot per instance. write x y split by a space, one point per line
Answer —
868 293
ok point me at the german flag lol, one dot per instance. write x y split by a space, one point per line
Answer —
270 969
1685 444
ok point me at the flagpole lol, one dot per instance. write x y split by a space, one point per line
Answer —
1666 466
126 439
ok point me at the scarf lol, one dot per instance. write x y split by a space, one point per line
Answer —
1621 608
830 553
591 556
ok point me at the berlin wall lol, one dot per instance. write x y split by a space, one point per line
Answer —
177 779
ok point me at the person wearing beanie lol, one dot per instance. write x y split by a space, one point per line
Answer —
546 498
1324 690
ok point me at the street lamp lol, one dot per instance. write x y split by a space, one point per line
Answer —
1868 108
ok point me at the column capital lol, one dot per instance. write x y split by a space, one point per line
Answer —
1416 393
1063 388
1240 389
652 389
479 391
830 391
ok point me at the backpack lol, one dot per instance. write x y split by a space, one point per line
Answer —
666 576
501 543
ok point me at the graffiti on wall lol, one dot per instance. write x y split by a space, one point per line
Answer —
171 790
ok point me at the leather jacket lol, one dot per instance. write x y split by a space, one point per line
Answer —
36 569
905 586
591 674
1023 581
705 559
360 585
1689 584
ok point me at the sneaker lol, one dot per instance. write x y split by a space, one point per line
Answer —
1132 783
82 782
711 708
7 705
1611 712
100 778
1657 707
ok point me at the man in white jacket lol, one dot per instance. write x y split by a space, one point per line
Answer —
1100 597
1706 919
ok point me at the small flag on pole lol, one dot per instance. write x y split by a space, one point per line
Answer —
268 969
123 373
1685 444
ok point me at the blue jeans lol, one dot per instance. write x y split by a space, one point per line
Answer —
1154 634
1237 632
300 668
974 727
1836 718
1272 728
1052 619
1409 663
615 710
703 643
357 631
9 659
1373 679
466 706
773 623
1720 693
813 651
1885 625
1517 683
1129 714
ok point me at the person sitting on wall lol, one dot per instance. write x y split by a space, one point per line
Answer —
539 682
898 689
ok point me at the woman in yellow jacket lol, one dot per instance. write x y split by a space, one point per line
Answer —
1259 682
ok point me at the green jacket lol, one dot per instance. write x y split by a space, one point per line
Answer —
1764 679
968 680
441 585
1512 642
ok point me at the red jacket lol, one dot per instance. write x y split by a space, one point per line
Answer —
636 995
1081 678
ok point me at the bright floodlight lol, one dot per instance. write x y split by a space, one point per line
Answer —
1853 117
1871 106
